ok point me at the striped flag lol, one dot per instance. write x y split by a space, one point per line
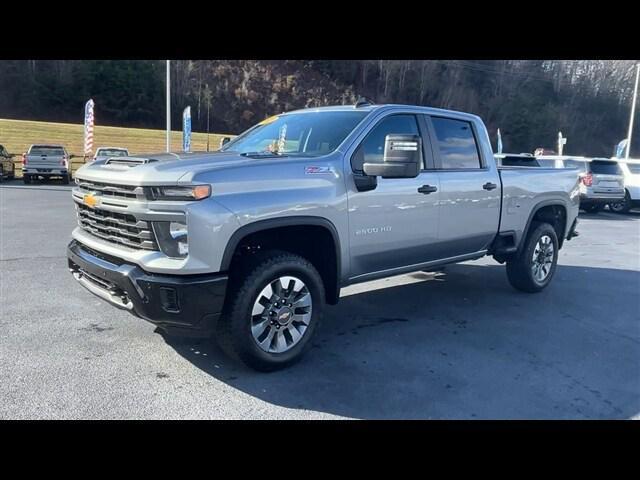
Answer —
88 127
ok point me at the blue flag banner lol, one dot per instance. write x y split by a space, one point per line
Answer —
620 148
186 129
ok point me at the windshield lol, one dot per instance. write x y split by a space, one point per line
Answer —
44 150
111 152
308 134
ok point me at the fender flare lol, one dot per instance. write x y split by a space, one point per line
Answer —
269 223
534 210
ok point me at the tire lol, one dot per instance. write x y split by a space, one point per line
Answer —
520 269
26 179
593 208
621 207
256 285
66 179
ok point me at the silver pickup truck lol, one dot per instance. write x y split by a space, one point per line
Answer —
249 243
46 161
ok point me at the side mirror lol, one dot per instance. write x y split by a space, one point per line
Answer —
224 141
402 158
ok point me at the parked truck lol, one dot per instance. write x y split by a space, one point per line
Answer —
46 161
249 243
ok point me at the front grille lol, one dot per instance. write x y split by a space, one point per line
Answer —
120 228
110 190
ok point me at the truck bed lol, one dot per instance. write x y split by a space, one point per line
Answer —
526 187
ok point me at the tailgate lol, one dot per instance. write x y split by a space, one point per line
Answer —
603 183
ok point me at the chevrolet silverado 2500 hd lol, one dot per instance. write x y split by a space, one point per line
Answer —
250 242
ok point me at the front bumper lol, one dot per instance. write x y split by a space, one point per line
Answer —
187 305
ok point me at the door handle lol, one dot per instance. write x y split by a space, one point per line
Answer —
489 186
427 189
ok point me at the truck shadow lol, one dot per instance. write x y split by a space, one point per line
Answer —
463 345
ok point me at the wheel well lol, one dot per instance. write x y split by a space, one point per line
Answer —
556 216
313 242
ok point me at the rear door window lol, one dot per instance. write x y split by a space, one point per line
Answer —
456 143
605 168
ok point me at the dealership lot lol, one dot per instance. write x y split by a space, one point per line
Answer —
461 344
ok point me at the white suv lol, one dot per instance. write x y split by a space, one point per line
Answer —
631 170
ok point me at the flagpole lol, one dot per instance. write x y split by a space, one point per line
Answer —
168 109
633 112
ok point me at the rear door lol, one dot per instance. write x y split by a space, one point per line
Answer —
396 223
470 188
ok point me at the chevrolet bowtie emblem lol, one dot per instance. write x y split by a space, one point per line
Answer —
90 200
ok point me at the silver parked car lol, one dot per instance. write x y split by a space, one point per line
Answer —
601 179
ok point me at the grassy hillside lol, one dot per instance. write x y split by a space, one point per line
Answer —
18 135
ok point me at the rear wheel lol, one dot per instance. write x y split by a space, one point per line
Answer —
621 207
274 305
66 179
26 179
533 267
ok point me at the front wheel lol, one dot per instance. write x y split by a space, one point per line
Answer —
621 207
533 267
274 305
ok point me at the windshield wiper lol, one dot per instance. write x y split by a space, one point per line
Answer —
263 154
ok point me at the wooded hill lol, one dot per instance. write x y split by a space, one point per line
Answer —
530 101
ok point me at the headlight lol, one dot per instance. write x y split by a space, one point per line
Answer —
172 238
195 192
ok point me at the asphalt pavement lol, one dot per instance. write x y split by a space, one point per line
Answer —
460 344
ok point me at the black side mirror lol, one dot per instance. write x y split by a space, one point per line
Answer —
402 158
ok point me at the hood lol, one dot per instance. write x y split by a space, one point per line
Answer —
158 169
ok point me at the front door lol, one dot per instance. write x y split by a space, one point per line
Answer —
395 224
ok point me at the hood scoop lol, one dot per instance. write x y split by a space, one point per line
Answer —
128 161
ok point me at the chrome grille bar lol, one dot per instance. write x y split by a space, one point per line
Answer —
111 190
120 228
